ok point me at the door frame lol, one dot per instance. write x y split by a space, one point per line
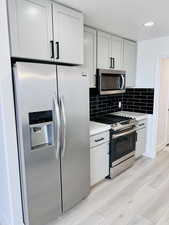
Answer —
156 101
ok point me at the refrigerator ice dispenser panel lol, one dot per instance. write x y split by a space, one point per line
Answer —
41 129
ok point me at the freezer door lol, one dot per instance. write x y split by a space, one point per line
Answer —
75 156
38 125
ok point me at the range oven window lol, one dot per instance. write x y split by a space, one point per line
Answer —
122 146
111 82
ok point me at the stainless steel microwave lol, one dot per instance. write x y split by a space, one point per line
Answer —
110 81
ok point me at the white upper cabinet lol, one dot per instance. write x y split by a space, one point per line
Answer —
89 67
42 29
30 28
68 34
103 50
129 62
110 51
116 53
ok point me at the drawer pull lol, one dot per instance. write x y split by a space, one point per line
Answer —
100 139
141 124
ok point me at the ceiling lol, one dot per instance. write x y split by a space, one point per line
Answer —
125 17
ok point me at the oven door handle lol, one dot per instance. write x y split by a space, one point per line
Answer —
123 82
114 136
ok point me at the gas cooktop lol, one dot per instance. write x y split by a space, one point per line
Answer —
116 122
111 119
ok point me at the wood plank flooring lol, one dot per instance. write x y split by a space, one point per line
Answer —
139 196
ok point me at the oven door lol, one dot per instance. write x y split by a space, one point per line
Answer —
111 82
122 144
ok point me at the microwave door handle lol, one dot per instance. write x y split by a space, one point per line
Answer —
122 83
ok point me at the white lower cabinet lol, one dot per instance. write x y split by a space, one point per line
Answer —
141 138
99 158
141 143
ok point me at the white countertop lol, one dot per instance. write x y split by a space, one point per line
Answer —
96 128
137 116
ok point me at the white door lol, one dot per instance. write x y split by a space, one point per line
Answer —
31 28
116 52
89 67
103 50
68 34
129 62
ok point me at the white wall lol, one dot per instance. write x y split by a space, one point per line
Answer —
148 75
10 201
163 104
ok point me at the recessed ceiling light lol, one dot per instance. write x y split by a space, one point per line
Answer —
149 24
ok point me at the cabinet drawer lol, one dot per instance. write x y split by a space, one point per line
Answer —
142 124
99 139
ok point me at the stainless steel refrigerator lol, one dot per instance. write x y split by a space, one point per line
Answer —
52 115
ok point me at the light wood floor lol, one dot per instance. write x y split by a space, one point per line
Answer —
139 196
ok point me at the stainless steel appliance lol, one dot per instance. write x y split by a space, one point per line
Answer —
110 81
141 127
123 139
53 138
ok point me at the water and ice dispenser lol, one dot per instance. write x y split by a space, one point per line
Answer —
41 129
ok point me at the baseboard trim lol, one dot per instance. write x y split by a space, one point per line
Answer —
161 147
149 155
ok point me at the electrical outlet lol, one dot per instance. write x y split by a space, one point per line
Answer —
119 105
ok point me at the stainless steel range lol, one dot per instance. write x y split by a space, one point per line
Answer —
123 139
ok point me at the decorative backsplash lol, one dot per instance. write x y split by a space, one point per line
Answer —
138 100
134 99
100 105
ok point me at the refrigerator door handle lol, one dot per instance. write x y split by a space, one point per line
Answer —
63 115
57 125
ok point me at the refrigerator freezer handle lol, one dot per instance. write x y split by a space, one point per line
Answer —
63 126
57 125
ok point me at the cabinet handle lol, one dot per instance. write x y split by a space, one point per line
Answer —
57 50
101 139
52 49
113 62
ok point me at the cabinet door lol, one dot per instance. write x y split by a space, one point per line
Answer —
103 50
98 163
116 52
68 34
141 143
107 160
30 28
129 62
89 66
